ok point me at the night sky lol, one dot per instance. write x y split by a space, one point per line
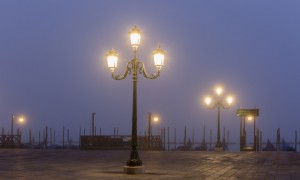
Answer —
53 68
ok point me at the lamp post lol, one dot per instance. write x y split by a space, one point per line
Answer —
218 104
250 118
20 119
12 125
150 119
135 67
149 126
16 139
155 119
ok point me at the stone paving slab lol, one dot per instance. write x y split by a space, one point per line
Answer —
169 165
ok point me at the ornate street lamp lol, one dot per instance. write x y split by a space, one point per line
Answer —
218 104
135 67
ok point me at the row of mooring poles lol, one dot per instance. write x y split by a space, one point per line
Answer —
45 139
93 124
166 139
49 137
278 140
94 129
296 140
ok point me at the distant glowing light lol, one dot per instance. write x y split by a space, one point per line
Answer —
219 101
207 100
219 91
21 120
229 100
155 119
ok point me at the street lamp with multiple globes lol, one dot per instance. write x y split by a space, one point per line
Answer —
218 104
135 67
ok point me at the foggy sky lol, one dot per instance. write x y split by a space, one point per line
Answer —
53 68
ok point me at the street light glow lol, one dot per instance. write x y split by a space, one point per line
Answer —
250 118
207 100
21 120
159 56
219 91
155 119
135 37
112 60
229 100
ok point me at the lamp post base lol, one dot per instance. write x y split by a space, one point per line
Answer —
219 149
134 169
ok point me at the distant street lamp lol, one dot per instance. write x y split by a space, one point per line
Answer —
155 119
151 119
219 104
134 164
20 119
253 118
16 139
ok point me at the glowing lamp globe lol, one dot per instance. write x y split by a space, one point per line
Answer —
112 60
135 37
159 57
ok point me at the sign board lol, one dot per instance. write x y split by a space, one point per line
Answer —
247 112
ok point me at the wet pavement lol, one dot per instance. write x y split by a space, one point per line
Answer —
108 165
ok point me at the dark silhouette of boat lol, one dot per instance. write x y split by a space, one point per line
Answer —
269 146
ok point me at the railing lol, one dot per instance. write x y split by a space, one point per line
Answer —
10 141
117 142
